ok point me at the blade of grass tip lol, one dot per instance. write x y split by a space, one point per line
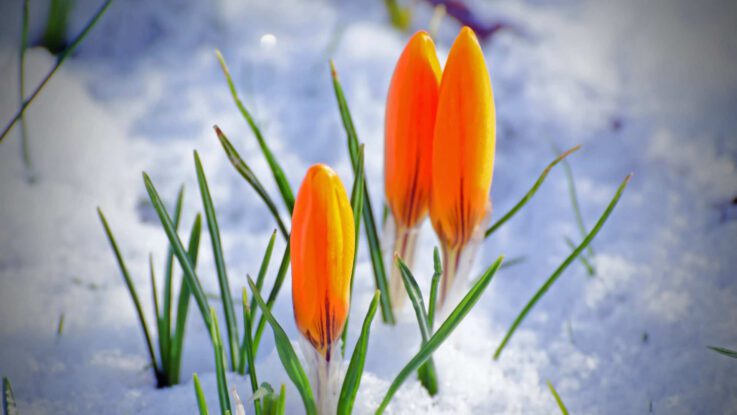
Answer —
281 405
724 351
247 351
168 271
242 168
372 235
561 405
9 407
426 373
184 262
217 346
526 198
445 330
177 343
562 267
278 282
262 273
201 402
438 272
217 249
62 57
25 151
132 290
60 325
573 195
276 170
589 268
287 355
354 373
357 207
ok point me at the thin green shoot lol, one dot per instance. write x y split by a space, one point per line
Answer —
217 249
9 406
55 35
357 208
262 274
426 373
273 294
60 60
437 273
217 347
526 198
372 235
166 316
247 352
557 273
443 332
242 168
573 195
60 325
724 351
201 402
276 170
561 405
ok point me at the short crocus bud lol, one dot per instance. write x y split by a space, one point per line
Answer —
463 157
323 246
410 121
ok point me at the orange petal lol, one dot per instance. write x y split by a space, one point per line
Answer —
410 119
323 245
463 147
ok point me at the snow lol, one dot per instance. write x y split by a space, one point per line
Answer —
648 88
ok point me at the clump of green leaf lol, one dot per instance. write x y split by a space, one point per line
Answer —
9 407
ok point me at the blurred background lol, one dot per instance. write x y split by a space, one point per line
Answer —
648 87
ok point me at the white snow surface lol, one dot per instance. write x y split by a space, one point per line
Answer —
646 87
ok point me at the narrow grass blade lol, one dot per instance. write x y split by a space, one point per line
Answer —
242 168
247 354
573 195
437 273
276 170
589 268
60 325
278 282
426 373
62 57
217 250
166 312
201 402
25 150
554 277
177 343
9 407
217 347
281 404
526 198
132 290
262 274
185 263
160 328
54 36
372 235
445 329
288 357
355 368
561 405
726 352
357 207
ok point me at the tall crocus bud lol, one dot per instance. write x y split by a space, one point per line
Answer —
323 246
410 120
463 157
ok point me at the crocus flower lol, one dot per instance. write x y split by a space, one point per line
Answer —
463 156
410 120
323 245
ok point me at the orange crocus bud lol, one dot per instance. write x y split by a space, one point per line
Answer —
463 156
410 120
323 246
